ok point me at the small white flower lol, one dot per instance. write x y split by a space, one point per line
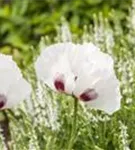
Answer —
80 70
13 87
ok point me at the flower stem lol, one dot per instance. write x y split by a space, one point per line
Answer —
75 113
4 124
74 125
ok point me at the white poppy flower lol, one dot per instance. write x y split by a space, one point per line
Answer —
13 87
80 70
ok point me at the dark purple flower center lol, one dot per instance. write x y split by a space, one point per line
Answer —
75 78
88 95
3 100
59 83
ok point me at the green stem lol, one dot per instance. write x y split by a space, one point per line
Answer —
74 125
4 124
75 114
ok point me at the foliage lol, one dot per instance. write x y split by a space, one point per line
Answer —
24 22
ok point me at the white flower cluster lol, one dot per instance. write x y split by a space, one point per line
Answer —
33 144
103 34
126 74
46 109
123 137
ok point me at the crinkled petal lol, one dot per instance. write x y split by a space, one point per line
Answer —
97 72
62 67
54 61
6 62
108 95
87 57
18 92
107 89
48 57
9 73
7 78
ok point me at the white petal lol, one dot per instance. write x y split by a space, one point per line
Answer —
89 76
48 58
54 60
62 66
7 78
98 73
18 92
9 73
6 62
90 57
108 95
107 88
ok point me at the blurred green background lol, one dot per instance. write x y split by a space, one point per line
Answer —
23 22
